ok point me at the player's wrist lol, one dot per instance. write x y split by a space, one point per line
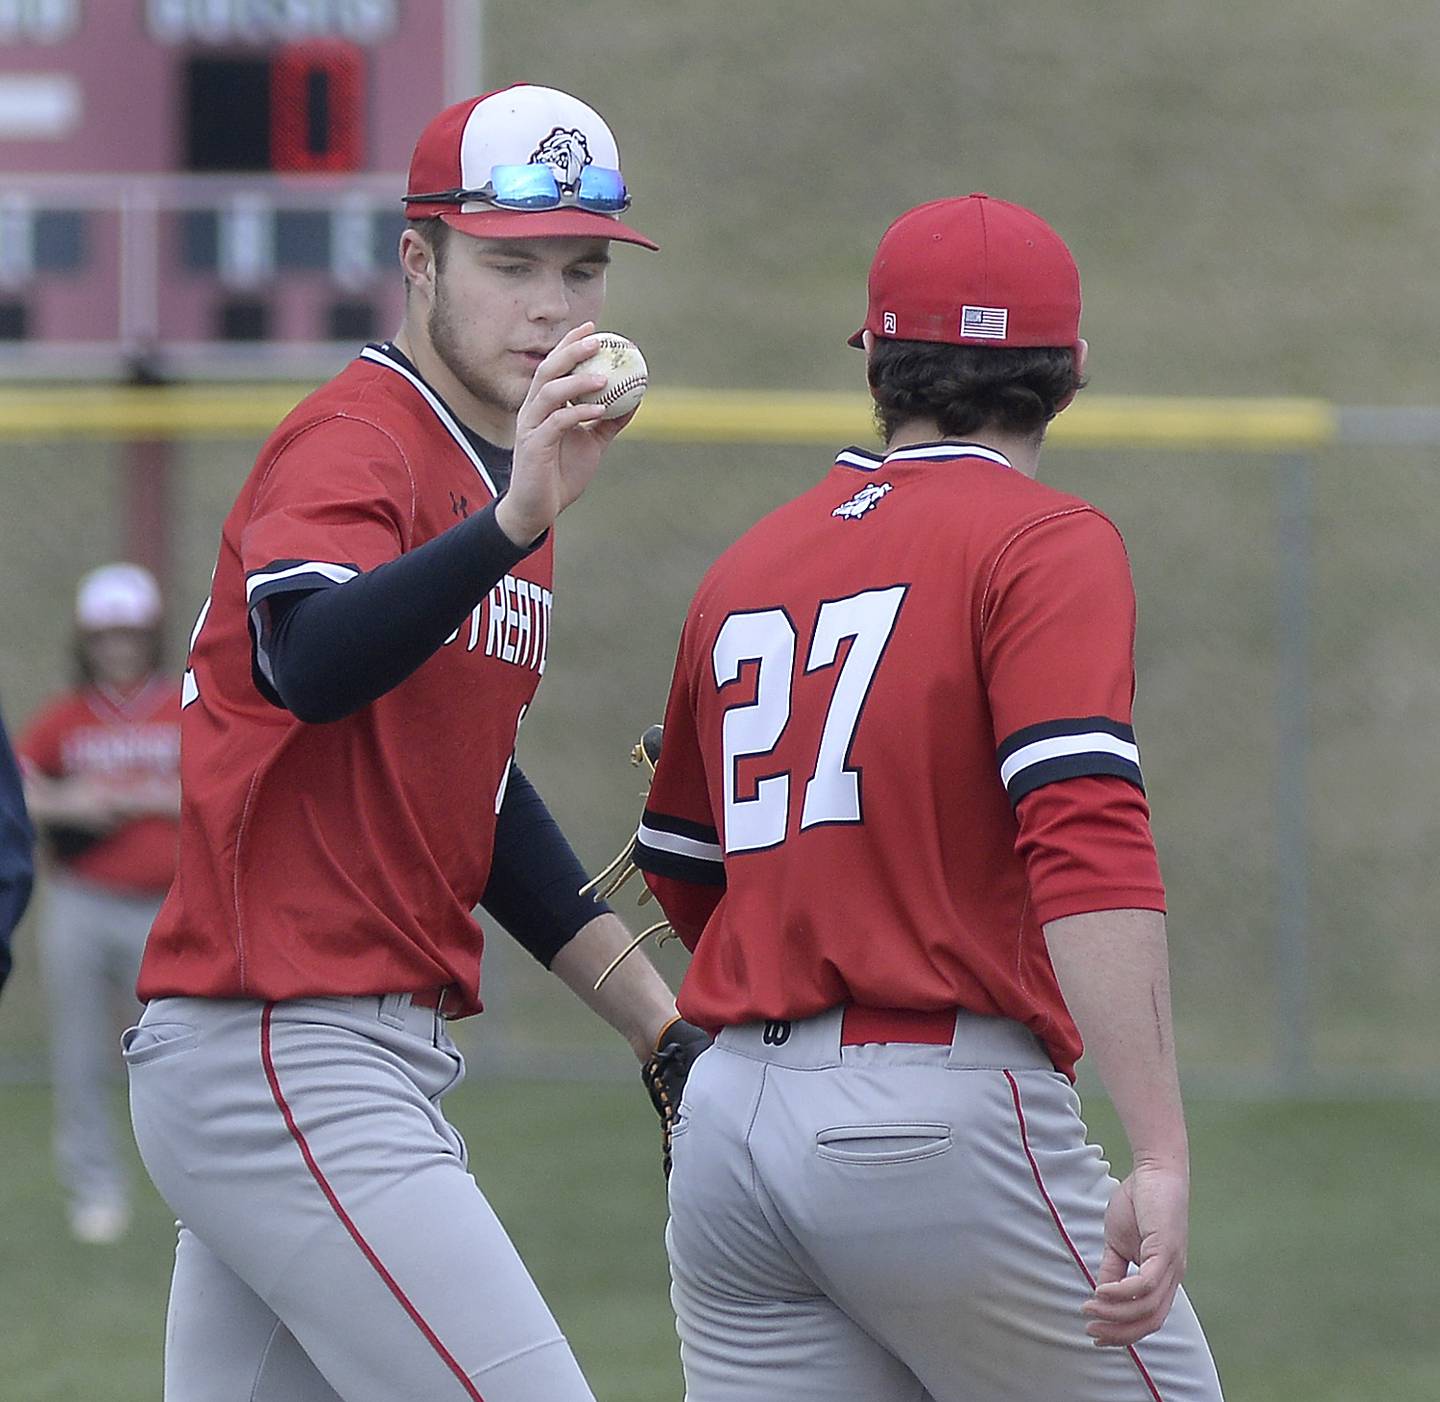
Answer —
521 528
1171 1160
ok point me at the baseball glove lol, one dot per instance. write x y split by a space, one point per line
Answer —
647 752
665 1074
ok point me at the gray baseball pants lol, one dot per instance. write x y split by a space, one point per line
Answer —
333 1244
898 1223
91 940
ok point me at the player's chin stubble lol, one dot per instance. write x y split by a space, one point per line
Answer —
444 332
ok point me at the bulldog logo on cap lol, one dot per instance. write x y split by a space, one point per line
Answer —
567 153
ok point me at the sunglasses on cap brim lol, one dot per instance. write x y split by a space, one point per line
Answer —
534 187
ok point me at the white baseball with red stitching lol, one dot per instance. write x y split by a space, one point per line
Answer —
625 371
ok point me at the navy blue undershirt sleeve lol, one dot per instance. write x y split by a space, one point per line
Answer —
325 653
17 844
535 876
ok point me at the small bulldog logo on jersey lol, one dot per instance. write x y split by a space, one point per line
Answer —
866 499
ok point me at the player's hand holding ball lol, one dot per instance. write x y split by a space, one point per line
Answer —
569 417
626 375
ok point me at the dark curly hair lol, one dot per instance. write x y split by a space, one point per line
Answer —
963 389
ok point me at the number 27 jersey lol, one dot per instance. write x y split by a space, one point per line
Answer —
881 690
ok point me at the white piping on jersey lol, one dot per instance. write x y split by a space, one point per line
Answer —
945 450
863 461
338 573
441 413
1095 741
869 462
680 846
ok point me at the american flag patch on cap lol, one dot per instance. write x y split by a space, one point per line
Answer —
984 323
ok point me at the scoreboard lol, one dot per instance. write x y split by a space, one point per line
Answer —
211 187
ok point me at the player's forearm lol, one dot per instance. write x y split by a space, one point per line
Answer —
151 798
74 802
332 651
634 1000
1113 968
535 882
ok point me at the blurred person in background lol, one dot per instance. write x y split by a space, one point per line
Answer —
101 770
17 842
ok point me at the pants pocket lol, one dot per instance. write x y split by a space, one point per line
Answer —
153 1040
882 1143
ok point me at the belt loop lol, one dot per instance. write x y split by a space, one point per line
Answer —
392 1009
810 1043
983 1041
960 1054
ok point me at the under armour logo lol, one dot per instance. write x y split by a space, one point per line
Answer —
776 1034
459 506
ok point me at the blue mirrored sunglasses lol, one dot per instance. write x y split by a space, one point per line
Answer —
532 187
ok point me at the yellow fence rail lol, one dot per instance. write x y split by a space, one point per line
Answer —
676 415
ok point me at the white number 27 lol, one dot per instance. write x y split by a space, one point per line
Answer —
767 638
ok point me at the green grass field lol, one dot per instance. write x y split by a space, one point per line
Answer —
1311 1257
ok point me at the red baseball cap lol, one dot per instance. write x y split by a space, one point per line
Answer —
460 150
973 272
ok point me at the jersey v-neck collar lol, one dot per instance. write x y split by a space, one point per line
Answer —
110 703
866 461
491 461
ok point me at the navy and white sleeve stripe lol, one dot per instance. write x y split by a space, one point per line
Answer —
281 576
1067 749
678 848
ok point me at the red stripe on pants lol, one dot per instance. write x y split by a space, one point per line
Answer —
1060 1226
365 1248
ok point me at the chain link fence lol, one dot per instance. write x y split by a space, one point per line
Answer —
1286 554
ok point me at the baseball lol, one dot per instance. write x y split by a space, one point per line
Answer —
626 375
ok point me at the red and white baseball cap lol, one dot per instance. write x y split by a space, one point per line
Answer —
464 155
117 596
973 272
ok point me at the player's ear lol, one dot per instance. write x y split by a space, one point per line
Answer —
417 262
1082 355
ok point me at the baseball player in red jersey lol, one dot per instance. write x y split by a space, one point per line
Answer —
102 777
378 623
899 820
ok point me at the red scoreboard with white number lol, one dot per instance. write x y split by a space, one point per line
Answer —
211 186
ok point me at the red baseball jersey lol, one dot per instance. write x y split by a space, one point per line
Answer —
116 742
879 691
346 858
